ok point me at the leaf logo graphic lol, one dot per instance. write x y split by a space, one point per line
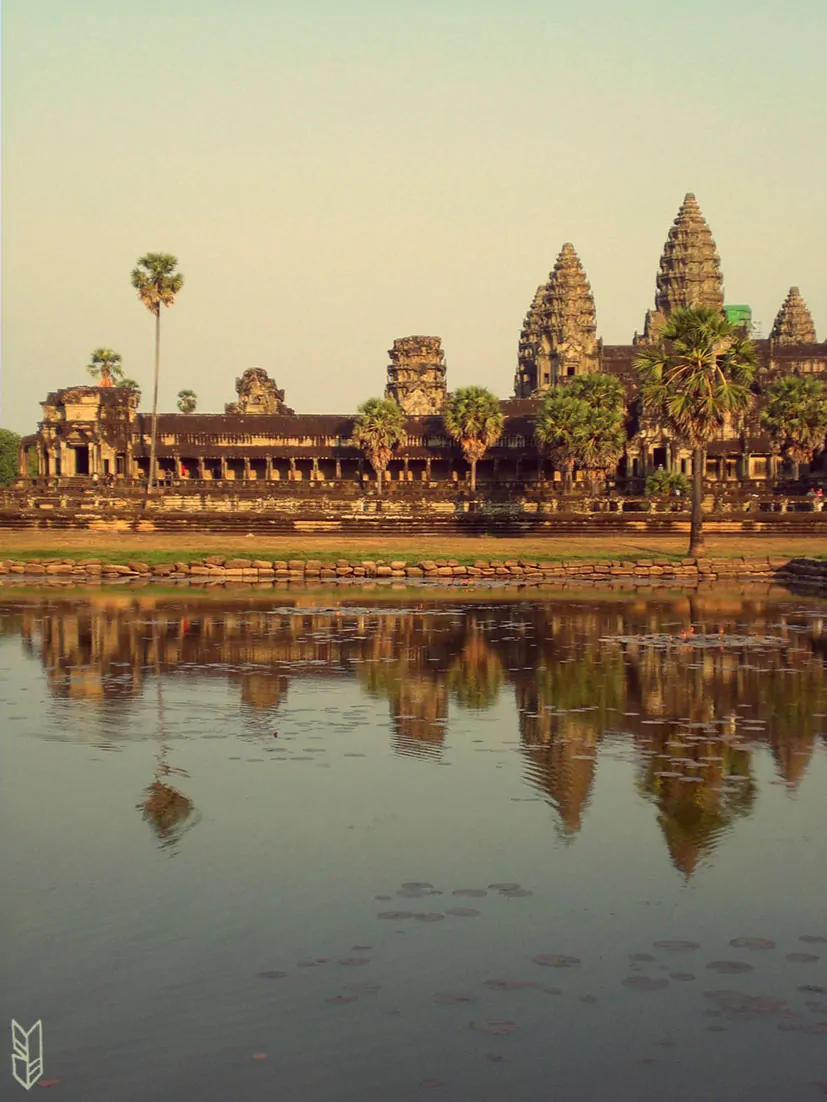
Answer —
27 1053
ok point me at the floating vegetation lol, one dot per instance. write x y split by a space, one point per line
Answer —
730 967
497 1027
463 912
556 960
663 641
473 893
752 943
741 1006
802 958
677 945
451 998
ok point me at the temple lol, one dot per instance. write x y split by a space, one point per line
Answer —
93 432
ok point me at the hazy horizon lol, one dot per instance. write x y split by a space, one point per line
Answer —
333 177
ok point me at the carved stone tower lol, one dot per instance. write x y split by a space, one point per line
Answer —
559 336
257 393
416 375
690 269
793 323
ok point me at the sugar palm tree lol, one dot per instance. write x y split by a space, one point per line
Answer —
157 282
187 401
131 384
600 391
599 441
105 365
699 373
473 417
379 429
557 426
795 416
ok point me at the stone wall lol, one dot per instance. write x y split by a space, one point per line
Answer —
220 570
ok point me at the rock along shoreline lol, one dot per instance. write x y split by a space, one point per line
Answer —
218 570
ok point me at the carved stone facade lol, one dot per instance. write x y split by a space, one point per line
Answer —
257 393
793 323
559 337
690 269
416 375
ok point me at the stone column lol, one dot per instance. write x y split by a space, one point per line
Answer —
405 474
202 469
223 468
247 474
428 469
291 474
338 470
315 473
268 471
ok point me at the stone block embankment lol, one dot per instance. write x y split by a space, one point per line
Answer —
220 570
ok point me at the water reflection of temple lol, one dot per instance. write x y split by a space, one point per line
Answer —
690 715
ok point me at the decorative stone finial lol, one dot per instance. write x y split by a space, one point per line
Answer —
793 323
559 337
416 375
690 268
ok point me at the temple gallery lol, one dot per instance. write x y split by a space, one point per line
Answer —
96 432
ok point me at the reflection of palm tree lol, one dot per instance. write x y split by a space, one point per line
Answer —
168 811
163 806
476 675
710 786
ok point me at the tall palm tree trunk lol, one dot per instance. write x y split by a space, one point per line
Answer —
154 429
380 477
696 525
473 476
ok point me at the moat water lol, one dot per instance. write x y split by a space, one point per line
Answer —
462 849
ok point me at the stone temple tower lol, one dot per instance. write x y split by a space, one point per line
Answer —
690 269
793 323
416 375
559 336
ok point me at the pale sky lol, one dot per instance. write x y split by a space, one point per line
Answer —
333 174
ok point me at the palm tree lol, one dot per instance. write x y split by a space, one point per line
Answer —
599 441
157 283
699 373
556 428
795 415
131 384
105 365
473 417
187 401
379 428
600 391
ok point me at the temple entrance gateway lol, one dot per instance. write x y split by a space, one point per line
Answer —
81 458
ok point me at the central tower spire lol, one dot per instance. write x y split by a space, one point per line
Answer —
690 268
